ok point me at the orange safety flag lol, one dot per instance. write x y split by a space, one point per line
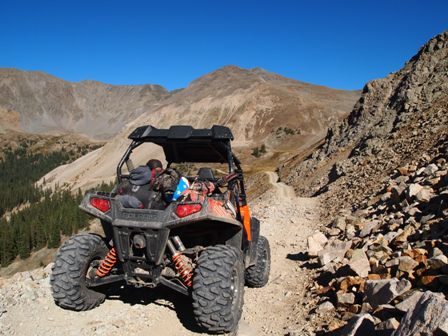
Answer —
245 213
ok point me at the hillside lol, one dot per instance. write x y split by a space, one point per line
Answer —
382 179
398 119
35 102
260 107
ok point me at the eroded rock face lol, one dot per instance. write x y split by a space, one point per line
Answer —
428 316
397 119
387 163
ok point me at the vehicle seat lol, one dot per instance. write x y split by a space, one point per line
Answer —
206 173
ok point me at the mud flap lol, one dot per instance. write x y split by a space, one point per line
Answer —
251 247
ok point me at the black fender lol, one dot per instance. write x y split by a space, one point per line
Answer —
251 246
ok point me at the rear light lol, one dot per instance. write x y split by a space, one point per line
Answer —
101 204
183 210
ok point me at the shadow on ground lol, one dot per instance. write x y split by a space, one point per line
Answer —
160 296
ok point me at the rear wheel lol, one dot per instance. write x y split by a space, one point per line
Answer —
258 275
218 288
68 278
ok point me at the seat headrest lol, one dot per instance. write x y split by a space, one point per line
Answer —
206 173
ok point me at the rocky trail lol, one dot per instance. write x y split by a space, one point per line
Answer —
27 308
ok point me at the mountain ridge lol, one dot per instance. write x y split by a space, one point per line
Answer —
48 104
255 108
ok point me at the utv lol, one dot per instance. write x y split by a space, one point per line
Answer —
205 245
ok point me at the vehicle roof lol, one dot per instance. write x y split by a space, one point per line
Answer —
186 144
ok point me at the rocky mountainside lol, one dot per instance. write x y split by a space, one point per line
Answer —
384 261
35 102
260 107
398 119
382 178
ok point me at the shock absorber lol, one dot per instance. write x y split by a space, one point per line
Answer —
106 265
181 262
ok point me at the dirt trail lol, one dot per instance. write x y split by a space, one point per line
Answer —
273 310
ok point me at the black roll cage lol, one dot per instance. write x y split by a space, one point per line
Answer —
216 139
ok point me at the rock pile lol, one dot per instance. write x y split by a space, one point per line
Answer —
381 263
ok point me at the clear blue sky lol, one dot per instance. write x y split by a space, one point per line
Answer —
341 44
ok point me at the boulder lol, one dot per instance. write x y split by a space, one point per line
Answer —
406 264
339 223
369 227
410 302
334 250
359 263
379 292
359 325
333 232
430 169
438 261
325 307
316 243
424 195
414 189
428 317
387 327
345 299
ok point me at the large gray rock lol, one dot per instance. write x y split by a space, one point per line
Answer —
406 264
345 299
378 292
325 307
430 169
339 223
438 261
369 227
316 243
425 195
359 263
387 327
359 325
334 251
428 316
410 302
414 189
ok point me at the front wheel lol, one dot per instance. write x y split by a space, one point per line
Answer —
218 288
68 277
258 275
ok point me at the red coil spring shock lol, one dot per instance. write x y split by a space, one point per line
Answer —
107 264
183 266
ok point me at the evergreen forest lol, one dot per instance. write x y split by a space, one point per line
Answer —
32 217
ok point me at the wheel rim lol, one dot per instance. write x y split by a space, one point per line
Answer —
235 280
